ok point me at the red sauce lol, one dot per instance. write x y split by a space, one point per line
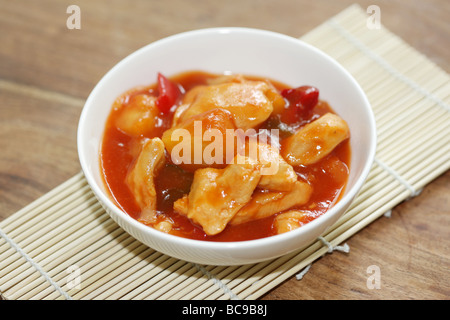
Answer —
328 177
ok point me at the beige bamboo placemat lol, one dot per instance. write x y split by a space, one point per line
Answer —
64 245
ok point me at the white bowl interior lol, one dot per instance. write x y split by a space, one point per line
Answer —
236 50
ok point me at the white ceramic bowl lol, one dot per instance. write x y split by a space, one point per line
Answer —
237 50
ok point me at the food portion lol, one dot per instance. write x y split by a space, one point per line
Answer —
224 157
217 195
315 140
140 179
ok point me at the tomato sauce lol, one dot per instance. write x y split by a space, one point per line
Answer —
119 150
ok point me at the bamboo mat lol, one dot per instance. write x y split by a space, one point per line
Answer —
64 245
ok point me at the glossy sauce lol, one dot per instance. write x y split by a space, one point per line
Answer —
328 177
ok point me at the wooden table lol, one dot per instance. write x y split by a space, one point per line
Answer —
47 71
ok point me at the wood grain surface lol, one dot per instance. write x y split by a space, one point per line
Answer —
47 71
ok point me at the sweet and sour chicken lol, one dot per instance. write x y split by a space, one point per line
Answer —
224 158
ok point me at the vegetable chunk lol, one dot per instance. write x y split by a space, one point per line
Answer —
139 116
192 132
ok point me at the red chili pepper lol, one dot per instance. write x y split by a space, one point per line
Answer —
168 94
301 101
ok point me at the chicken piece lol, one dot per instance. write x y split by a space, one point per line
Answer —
177 114
217 194
315 140
140 179
164 226
227 78
181 205
277 174
207 131
138 116
248 102
289 220
266 203
272 94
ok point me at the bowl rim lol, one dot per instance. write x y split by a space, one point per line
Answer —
345 200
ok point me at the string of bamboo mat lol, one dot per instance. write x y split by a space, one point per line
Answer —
67 227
